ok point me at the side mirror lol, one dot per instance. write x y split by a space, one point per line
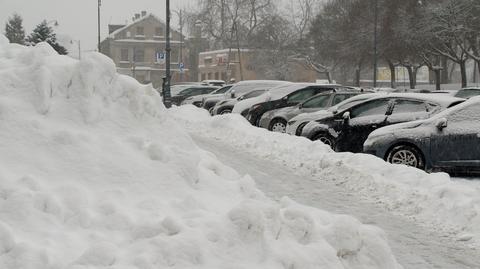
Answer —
232 94
441 124
300 106
346 116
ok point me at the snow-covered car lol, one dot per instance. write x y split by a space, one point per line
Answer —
276 120
219 83
468 92
240 89
198 99
194 90
448 141
348 129
226 106
288 96
296 124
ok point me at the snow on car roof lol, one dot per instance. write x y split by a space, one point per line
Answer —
441 99
473 100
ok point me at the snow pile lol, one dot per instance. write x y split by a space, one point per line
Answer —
433 199
94 174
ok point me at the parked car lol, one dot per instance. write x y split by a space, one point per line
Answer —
198 99
468 92
226 106
240 89
348 129
448 141
289 96
276 120
194 90
296 124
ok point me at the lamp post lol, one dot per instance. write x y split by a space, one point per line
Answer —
99 5
375 53
166 87
180 18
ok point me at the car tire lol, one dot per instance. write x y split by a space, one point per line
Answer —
278 126
325 139
225 111
406 155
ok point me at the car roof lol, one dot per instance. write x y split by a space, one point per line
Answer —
441 99
473 100
283 90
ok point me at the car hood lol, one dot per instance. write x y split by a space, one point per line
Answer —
313 116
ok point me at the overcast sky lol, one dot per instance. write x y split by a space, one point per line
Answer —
78 18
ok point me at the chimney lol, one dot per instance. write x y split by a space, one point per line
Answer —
137 16
144 13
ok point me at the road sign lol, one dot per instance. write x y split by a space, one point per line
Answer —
160 56
181 66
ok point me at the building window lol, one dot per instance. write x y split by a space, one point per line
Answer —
217 76
203 77
140 31
209 76
139 56
208 61
224 76
158 31
124 55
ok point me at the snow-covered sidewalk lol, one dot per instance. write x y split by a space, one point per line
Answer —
414 246
432 200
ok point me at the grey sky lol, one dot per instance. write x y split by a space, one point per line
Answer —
78 18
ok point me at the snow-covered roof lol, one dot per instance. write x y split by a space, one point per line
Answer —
150 15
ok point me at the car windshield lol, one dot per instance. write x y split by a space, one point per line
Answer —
468 93
176 89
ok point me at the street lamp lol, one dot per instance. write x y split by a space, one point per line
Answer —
375 40
98 7
180 17
166 85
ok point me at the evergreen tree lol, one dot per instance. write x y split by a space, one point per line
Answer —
44 33
14 30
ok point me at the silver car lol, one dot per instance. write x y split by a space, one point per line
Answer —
276 120
296 124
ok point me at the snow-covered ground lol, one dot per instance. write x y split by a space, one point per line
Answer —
94 173
414 246
433 200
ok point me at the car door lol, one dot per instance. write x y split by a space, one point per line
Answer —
364 119
406 109
458 144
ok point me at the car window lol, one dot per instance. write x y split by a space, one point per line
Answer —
253 94
320 101
301 95
408 106
208 90
409 110
338 98
468 93
371 108
223 90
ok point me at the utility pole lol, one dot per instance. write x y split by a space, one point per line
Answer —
99 5
375 39
181 44
166 89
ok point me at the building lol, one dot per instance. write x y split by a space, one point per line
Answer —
138 50
242 66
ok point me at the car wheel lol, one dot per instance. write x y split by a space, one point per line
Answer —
406 155
325 139
225 111
278 126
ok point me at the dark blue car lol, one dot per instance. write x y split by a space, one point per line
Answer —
449 141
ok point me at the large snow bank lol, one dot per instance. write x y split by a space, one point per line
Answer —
94 174
433 199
